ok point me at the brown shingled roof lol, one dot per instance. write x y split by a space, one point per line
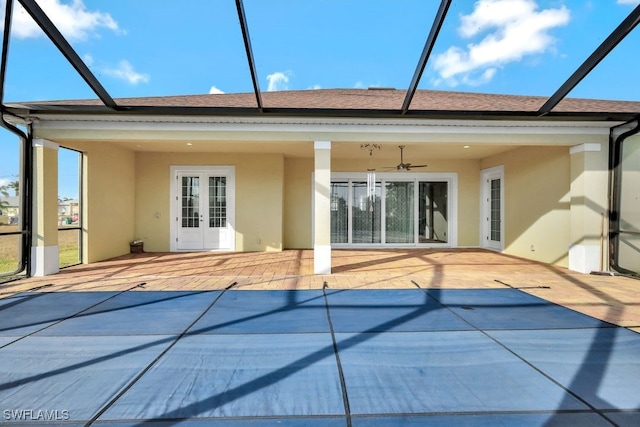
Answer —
368 99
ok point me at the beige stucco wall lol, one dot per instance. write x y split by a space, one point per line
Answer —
537 202
297 203
45 206
109 199
259 188
298 195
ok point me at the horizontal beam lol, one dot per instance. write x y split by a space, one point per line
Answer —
35 110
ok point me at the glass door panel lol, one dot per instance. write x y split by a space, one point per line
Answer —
365 214
217 201
216 231
496 215
432 212
399 212
190 201
339 212
190 234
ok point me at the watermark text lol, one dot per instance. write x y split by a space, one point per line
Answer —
36 415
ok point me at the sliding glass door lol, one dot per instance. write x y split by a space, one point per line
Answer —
339 212
365 213
398 210
433 223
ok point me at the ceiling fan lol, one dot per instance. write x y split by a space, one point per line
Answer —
402 166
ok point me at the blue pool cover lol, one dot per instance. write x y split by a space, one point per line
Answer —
483 357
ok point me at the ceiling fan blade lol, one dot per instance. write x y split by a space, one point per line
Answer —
418 166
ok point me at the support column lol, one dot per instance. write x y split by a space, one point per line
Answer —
44 250
322 208
589 195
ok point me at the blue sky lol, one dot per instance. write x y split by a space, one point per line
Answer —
155 48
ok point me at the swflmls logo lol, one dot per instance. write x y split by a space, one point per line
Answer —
35 415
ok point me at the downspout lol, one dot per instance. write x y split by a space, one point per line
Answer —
616 141
27 154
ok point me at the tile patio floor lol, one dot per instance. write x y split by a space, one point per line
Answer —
612 299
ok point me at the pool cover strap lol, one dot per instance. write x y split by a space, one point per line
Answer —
343 386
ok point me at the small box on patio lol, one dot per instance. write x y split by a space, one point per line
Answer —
136 247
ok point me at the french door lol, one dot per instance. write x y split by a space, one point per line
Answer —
493 208
204 209
394 210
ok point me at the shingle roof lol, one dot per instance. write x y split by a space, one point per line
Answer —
366 99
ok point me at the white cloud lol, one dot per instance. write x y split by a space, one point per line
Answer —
513 29
631 2
214 90
125 72
73 20
315 87
362 85
277 81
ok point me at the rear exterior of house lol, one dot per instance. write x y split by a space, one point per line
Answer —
538 189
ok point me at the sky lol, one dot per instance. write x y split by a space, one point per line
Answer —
158 48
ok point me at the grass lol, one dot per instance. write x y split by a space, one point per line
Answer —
68 246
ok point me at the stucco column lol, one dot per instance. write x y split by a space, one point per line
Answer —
589 187
44 250
322 208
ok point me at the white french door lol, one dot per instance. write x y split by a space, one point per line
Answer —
203 203
493 208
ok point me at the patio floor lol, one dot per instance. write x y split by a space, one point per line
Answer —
415 337
612 299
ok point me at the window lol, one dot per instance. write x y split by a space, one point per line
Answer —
12 231
69 207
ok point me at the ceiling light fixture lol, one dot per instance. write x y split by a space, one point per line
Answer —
371 147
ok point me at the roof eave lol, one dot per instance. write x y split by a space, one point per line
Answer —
27 111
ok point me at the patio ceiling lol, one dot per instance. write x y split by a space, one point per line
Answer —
247 26
343 150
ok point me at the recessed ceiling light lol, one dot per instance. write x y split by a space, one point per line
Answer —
188 143
467 146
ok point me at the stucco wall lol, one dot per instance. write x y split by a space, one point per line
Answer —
537 202
297 203
298 196
45 213
109 200
259 191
